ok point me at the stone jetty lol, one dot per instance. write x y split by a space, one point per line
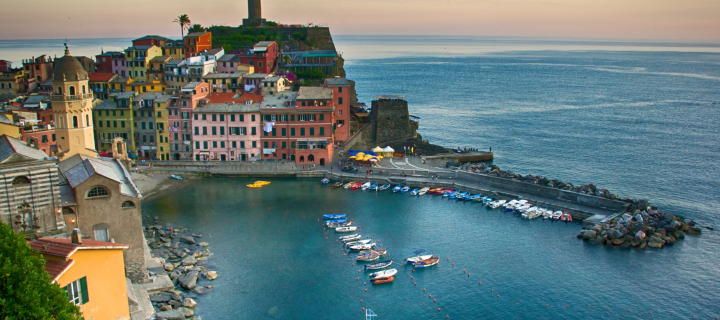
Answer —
640 226
184 257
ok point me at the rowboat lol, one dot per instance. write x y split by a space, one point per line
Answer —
461 196
427 263
359 242
349 184
176 177
414 260
384 187
336 221
337 185
414 192
435 190
447 193
338 225
397 189
496 204
378 252
356 186
405 189
351 237
373 186
473 197
325 181
345 229
365 186
368 257
384 273
556 215
487 200
566 216
333 216
383 280
480 199
379 265
452 195
423 191
362 247
547 214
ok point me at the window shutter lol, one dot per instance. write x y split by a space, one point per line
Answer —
84 290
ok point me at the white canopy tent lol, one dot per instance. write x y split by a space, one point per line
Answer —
387 152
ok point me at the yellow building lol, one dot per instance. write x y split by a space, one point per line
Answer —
152 134
137 60
92 272
174 49
154 83
11 81
8 126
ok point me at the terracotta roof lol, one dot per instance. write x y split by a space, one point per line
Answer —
227 97
65 248
101 76
57 268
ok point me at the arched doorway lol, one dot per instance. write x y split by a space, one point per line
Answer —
177 156
322 161
302 158
311 158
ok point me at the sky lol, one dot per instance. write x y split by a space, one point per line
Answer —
618 19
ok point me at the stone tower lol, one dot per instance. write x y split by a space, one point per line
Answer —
254 14
72 105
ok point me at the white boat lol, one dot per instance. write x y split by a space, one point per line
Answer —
496 204
427 263
365 185
345 229
352 238
529 212
556 215
349 236
510 204
362 247
354 243
423 191
418 258
384 273
414 192
547 214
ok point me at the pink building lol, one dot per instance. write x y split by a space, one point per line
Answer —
341 97
228 63
111 62
180 112
226 127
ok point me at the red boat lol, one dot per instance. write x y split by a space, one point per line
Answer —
566 216
356 186
383 280
435 191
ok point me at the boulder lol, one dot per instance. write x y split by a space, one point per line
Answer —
188 239
189 261
169 267
679 234
638 218
199 290
694 230
669 241
618 241
175 304
187 312
211 275
617 234
589 234
655 243
675 224
170 315
595 241
165 307
189 303
177 296
204 244
640 235
189 281
161 297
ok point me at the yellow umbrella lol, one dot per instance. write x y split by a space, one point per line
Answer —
352 157
380 157
360 154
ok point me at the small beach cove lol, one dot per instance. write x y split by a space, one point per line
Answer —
276 265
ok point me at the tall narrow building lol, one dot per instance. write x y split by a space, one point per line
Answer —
72 105
254 14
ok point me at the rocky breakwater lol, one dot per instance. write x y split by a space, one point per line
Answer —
640 227
185 259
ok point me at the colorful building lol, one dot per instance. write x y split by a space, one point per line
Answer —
41 138
228 63
92 272
226 127
180 113
325 61
263 56
46 117
151 40
341 97
9 127
137 60
272 85
224 82
5 65
114 118
298 126
111 62
87 63
154 83
196 43
37 71
12 81
151 125
100 84
174 49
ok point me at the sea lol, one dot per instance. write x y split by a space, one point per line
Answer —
638 117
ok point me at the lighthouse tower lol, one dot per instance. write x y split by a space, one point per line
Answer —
254 14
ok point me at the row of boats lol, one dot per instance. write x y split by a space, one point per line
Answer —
368 253
522 207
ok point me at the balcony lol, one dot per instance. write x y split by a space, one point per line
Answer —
60 97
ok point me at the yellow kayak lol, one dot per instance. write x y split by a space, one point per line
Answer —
258 184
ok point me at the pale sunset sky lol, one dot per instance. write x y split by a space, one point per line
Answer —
630 19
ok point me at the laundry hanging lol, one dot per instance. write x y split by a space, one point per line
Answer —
267 127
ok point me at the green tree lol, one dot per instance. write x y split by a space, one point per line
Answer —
27 292
184 22
196 28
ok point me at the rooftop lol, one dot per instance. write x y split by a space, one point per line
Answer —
36 99
195 34
229 97
191 86
153 96
161 59
133 48
314 93
272 79
78 168
65 248
337 82
10 146
257 76
107 105
102 76
152 36
229 57
212 51
214 75
124 95
280 100
264 43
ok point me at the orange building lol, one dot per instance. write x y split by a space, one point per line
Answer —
196 42
92 272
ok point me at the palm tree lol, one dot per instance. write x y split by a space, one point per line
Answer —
184 22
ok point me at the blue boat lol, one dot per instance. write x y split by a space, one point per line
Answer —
373 186
333 216
473 197
336 221
461 196
405 189
325 181
414 192
487 200
454 194
397 189
384 187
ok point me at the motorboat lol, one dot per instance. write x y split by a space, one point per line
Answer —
443 192
461 196
378 252
423 191
352 237
337 185
345 229
405 189
547 214
451 194
354 243
420 256
487 200
566 216
374 186
556 215
368 257
497 204
349 184
384 273
426 263
325 181
397 189
473 197
336 221
176 177
435 190
365 186
338 225
379 265
362 247
333 216
356 186
480 199
384 187
414 192
383 280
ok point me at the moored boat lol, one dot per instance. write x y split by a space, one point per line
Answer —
414 192
423 191
337 185
453 195
397 189
556 215
333 216
384 273
373 186
365 186
325 181
448 192
368 257
427 263
384 187
349 184
351 237
356 186
383 280
435 190
378 252
335 221
496 204
420 256
176 177
345 229
379 265
487 200
566 216
338 225
473 197
362 247
358 242
461 196
405 189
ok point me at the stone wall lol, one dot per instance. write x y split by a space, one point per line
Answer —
362 139
42 193
392 120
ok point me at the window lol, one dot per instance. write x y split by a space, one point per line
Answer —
339 112
21 180
253 131
77 292
214 144
292 117
292 132
222 144
101 235
100 124
312 131
232 117
322 116
265 144
241 117
222 131
114 124
204 131
340 90
98 192
322 131
214 130
204 116
282 132
222 117
214 117
274 132
302 132
195 116
75 121
339 100
53 137
254 144
205 144
234 144
128 204
142 125
252 118
242 144
197 144
284 145
122 124
197 131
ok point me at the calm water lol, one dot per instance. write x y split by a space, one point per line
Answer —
275 262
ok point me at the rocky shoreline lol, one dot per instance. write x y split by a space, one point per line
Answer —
185 259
